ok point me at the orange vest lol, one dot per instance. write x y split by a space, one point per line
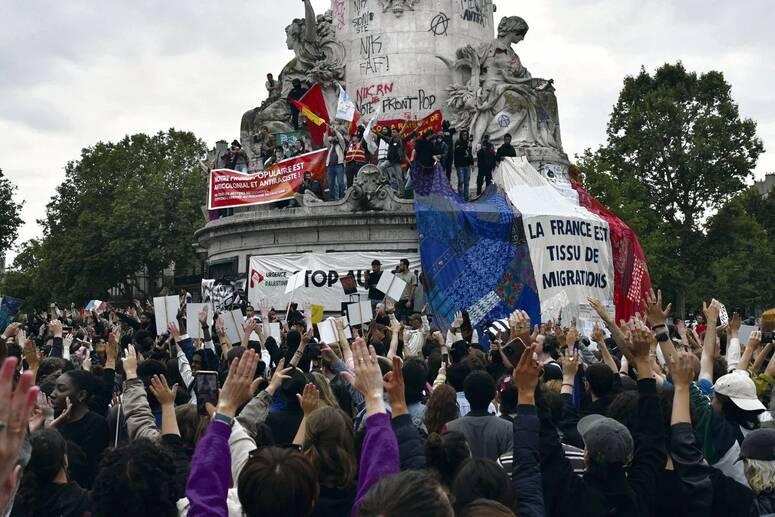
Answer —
355 153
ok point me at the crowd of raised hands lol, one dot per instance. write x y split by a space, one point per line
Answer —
101 413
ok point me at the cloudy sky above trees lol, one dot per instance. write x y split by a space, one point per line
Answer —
73 73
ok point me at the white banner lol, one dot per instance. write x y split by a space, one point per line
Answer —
269 275
570 247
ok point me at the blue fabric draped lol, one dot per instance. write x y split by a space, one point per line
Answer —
474 254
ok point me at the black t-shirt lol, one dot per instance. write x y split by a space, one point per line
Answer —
374 294
91 434
284 424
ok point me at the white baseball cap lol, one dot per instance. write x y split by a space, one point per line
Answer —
740 389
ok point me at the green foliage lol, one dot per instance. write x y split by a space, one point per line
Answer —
677 150
10 214
123 208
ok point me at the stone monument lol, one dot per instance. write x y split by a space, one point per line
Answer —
398 59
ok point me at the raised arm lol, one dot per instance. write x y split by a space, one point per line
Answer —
166 397
526 475
379 456
709 345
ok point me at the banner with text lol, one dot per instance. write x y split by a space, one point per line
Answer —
570 247
230 189
268 275
432 122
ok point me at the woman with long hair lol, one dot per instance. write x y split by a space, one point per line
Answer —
329 444
441 408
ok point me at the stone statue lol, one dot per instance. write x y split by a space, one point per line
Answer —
320 58
397 6
370 192
495 94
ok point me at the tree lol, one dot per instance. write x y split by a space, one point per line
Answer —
677 149
124 209
10 214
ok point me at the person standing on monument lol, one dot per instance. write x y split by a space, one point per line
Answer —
296 93
336 144
485 161
272 86
506 150
355 158
391 156
464 159
237 160
448 134
372 279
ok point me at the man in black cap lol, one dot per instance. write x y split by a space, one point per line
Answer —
372 279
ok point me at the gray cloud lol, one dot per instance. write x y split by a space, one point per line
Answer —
81 71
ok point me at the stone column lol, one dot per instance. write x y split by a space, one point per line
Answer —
392 47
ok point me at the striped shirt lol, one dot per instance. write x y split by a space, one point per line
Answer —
574 455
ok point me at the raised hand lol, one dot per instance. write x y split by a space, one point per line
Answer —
458 320
161 390
393 382
263 306
111 348
249 326
682 369
15 410
570 361
40 412
280 374
130 363
600 309
174 331
31 355
240 384
11 330
755 340
598 336
526 375
735 322
519 322
655 314
711 313
309 400
368 377
55 328
203 315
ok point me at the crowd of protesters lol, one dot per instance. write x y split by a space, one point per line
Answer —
101 413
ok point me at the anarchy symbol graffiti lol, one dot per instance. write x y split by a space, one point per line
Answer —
439 25
504 120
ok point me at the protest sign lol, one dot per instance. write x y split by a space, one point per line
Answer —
430 123
165 309
359 312
288 139
193 327
345 108
317 312
230 189
295 281
392 286
269 275
232 325
274 331
570 247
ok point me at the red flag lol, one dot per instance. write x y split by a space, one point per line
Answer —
631 275
316 103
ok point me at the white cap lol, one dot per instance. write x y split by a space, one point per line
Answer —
740 389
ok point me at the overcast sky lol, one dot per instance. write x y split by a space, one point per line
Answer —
76 72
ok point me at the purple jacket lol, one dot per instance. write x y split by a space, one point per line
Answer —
210 476
379 455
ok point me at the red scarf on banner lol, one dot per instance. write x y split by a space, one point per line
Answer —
316 102
631 275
